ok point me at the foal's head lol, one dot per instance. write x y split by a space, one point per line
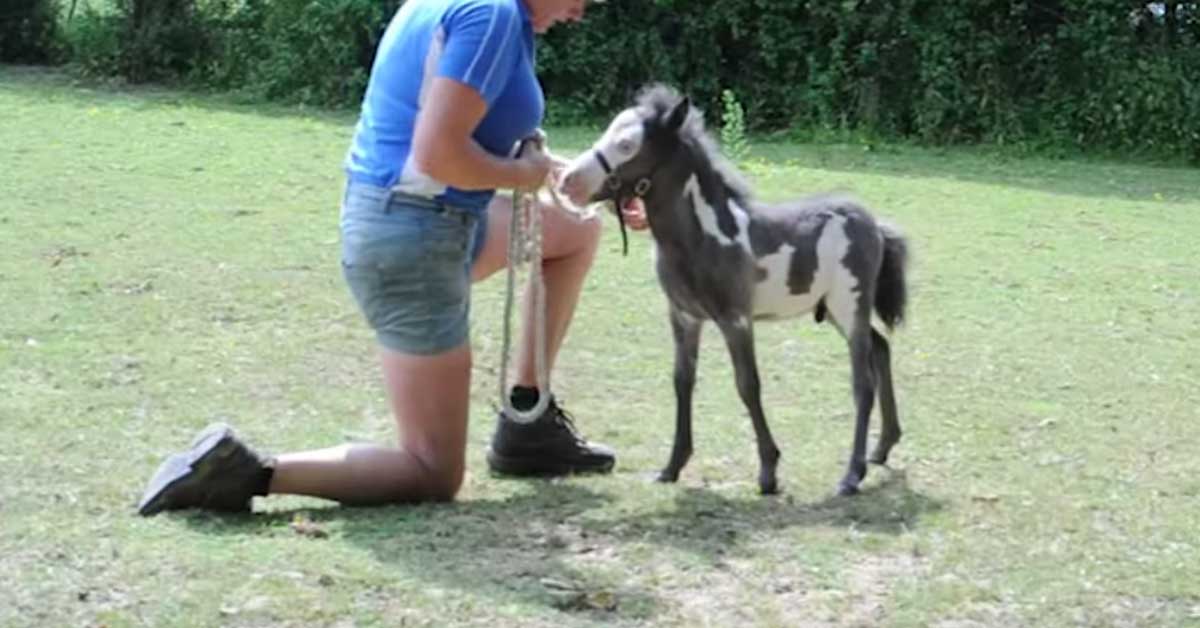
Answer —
625 160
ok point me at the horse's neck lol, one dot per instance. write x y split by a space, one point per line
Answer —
675 213
672 222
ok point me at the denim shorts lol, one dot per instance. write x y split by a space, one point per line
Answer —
407 261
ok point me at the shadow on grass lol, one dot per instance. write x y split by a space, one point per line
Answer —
513 548
560 544
710 523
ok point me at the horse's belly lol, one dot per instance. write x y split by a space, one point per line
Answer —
771 303
773 294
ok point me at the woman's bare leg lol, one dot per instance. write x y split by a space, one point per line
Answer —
429 397
568 248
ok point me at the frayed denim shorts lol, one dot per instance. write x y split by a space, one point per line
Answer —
407 261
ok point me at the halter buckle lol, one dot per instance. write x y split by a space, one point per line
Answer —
642 187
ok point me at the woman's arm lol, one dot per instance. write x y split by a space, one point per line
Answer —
444 149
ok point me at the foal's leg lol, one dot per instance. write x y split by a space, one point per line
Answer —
863 383
739 336
687 343
855 324
881 360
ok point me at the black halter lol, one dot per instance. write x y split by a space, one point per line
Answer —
608 169
614 185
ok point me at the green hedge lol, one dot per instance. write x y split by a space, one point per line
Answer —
28 31
1103 74
312 51
1110 74
141 40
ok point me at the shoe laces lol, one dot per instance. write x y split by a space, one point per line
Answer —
563 419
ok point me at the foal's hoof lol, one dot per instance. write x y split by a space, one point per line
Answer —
768 487
879 457
666 477
847 490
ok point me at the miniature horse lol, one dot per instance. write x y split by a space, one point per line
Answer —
723 257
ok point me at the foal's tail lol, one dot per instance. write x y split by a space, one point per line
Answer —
891 289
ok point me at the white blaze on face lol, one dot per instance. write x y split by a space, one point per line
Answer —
621 142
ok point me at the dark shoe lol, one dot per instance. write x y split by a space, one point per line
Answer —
218 472
549 445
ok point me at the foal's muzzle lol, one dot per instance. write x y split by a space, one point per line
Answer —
613 183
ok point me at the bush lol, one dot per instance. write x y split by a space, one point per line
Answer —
28 31
1116 75
311 51
94 41
733 128
1109 74
142 40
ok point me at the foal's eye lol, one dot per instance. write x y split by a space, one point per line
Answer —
625 146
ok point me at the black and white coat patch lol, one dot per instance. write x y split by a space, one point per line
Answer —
794 257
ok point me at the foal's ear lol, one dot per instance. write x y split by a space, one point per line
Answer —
679 114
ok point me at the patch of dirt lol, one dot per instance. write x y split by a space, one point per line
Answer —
871 582
1138 611
982 615
63 253
737 593
132 287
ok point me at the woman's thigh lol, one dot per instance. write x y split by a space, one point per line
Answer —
563 236
406 263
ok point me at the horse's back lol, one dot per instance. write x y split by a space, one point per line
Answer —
811 249
816 208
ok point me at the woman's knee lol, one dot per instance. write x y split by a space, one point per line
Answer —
430 399
442 471
568 237
592 230
445 482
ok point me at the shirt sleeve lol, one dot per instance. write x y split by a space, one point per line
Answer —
482 46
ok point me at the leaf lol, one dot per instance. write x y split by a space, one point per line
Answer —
303 526
601 600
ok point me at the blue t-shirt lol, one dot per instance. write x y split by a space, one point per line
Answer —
485 44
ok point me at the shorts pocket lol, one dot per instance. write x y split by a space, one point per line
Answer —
407 270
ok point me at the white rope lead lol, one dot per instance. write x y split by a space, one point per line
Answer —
525 248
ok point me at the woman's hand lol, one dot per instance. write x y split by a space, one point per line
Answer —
535 168
560 165
634 213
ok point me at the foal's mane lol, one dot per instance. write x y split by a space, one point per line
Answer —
660 100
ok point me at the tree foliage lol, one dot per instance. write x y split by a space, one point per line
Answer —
1112 74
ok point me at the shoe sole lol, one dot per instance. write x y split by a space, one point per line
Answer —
181 469
504 465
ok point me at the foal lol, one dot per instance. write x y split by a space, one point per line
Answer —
723 257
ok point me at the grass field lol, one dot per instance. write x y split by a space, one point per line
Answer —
167 260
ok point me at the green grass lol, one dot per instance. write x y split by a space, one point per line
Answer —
167 260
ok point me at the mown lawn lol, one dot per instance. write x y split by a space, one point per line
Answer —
167 260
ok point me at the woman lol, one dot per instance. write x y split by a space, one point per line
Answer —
451 92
